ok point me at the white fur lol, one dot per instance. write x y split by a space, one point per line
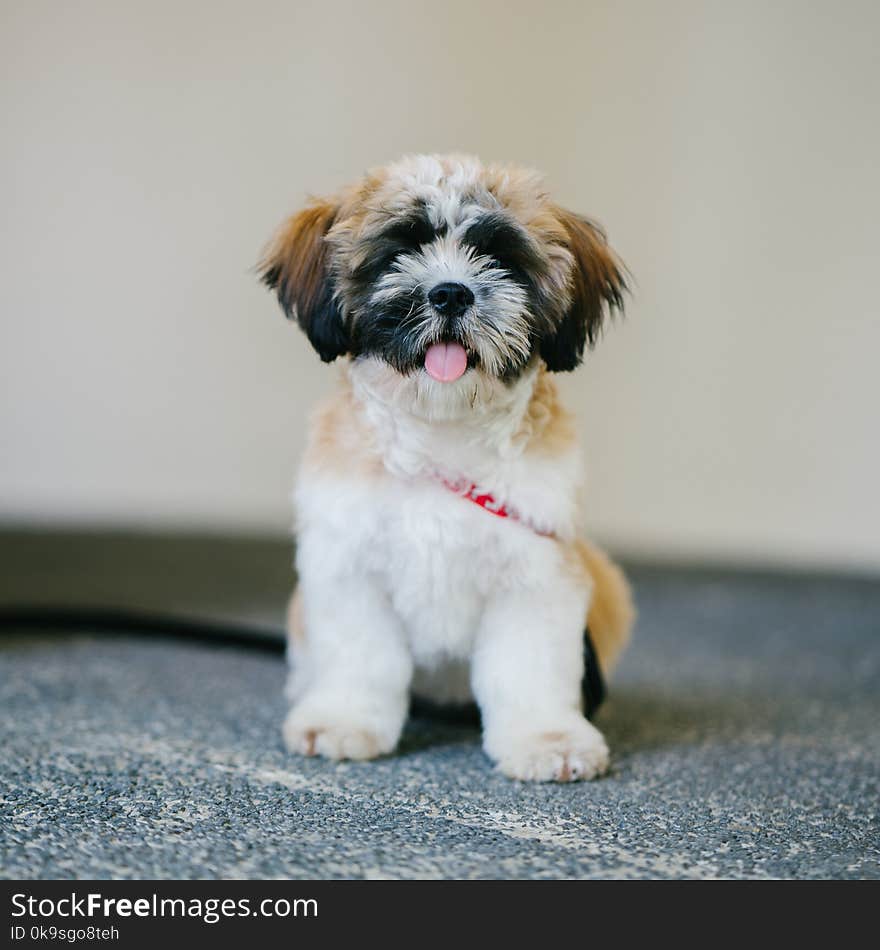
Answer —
405 585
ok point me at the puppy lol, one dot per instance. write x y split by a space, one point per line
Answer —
437 504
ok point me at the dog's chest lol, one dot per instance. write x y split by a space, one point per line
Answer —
442 559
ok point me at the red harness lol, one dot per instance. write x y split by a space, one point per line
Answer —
489 503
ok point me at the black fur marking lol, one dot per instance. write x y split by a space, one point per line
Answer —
563 349
495 235
326 330
414 229
593 687
322 323
391 332
403 235
271 277
598 288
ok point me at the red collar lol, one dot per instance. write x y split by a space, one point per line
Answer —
488 502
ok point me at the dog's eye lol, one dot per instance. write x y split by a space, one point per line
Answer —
403 236
411 233
502 241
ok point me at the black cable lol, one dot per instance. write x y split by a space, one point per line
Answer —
108 622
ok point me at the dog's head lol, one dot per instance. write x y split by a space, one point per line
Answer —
442 265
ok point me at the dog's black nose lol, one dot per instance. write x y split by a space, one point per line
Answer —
451 299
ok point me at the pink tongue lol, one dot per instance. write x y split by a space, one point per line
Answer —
445 362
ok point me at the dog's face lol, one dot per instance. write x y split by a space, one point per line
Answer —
444 266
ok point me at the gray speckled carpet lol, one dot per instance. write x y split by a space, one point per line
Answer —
743 725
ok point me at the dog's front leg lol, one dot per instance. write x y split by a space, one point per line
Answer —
351 670
527 669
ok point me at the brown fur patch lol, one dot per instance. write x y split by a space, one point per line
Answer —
295 263
553 737
340 441
547 426
598 278
612 613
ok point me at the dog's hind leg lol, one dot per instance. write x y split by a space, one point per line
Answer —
611 614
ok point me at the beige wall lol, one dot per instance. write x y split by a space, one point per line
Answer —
731 149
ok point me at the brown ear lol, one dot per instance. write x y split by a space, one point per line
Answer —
295 265
597 287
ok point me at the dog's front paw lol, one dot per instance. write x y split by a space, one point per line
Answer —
333 742
337 736
572 753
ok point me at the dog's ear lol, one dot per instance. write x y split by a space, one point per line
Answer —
597 287
295 265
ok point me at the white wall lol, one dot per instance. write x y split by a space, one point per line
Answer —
732 151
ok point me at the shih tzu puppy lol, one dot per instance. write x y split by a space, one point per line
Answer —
437 506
